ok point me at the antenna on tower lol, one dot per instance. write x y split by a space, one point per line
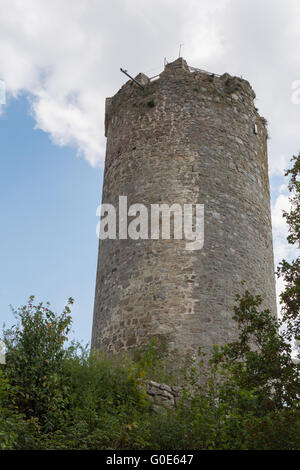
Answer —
180 46
131 78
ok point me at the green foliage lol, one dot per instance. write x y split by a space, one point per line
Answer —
155 362
245 398
13 424
7 428
107 402
261 358
35 361
151 103
60 396
248 397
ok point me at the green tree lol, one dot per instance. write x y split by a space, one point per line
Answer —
290 271
35 362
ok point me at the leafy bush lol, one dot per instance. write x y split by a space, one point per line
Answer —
65 396
56 397
35 363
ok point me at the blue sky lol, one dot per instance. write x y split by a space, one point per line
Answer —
59 61
48 208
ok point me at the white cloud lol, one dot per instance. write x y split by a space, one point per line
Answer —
70 123
281 204
279 288
278 165
280 228
67 55
282 249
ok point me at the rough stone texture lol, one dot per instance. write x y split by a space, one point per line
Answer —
162 395
198 144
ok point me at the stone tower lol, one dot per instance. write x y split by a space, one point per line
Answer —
187 137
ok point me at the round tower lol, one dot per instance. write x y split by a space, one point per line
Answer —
188 137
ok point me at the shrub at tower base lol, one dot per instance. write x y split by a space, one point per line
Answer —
57 395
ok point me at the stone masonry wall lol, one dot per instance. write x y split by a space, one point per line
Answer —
202 142
162 394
